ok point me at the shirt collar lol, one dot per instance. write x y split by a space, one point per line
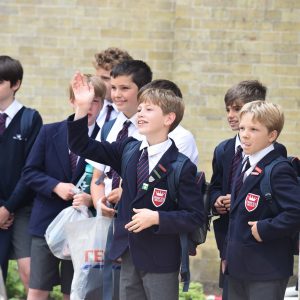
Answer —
107 102
157 148
256 157
12 109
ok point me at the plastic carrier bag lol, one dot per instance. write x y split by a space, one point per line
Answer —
87 243
55 234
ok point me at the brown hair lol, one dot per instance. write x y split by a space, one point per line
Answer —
166 100
98 84
109 58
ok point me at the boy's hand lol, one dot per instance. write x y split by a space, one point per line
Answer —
104 209
82 199
4 215
142 219
65 190
84 94
115 195
254 231
8 223
222 204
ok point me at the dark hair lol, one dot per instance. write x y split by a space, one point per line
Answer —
163 84
139 71
10 70
245 91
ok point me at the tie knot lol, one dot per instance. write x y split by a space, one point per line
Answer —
239 149
3 117
109 109
246 164
126 124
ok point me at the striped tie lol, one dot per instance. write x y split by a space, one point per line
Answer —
236 161
239 180
142 169
108 113
73 161
2 122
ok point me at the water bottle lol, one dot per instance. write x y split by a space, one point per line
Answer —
84 182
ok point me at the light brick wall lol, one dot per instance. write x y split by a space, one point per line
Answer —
203 45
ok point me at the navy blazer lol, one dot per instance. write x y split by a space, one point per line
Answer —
220 185
48 164
272 258
155 249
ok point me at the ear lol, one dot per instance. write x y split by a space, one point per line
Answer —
170 118
273 136
16 86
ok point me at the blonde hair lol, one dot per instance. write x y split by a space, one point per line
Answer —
268 114
166 100
98 84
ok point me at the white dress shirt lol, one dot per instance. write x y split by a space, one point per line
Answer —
103 112
11 111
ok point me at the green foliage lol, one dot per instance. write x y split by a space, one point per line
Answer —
14 286
195 292
15 289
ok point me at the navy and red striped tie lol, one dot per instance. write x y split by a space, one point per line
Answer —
2 122
142 169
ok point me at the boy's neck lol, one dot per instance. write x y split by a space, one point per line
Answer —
154 140
6 103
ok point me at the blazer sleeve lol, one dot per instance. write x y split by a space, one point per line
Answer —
286 191
102 152
34 172
22 193
215 189
190 212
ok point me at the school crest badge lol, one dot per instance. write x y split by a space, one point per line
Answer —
251 202
159 197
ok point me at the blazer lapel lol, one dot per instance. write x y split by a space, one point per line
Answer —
81 162
254 177
62 151
160 171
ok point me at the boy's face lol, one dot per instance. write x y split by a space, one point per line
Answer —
152 122
233 114
254 135
105 76
7 92
124 95
94 110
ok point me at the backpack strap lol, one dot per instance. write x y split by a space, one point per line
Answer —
265 184
173 183
106 129
174 175
26 121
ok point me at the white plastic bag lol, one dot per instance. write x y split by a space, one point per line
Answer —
55 233
87 242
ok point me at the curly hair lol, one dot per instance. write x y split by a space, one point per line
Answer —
109 58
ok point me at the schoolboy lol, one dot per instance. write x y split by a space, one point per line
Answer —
259 247
15 198
226 156
126 80
52 171
104 62
184 140
148 222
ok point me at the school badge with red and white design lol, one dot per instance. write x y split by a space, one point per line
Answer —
251 202
159 197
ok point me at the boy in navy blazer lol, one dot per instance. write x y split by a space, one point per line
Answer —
259 252
223 161
52 172
15 143
148 222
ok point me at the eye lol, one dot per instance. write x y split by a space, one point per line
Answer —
113 87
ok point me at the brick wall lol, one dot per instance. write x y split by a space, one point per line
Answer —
203 45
